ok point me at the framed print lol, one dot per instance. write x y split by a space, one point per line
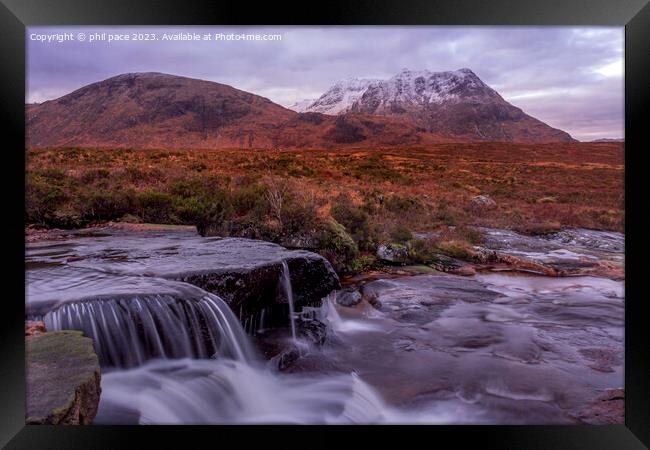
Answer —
422 217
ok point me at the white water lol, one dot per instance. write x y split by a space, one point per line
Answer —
442 349
331 316
128 331
288 292
231 391
227 391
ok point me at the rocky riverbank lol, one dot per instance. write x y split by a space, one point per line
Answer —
519 330
63 377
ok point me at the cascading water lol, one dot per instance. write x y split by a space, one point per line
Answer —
487 349
128 331
226 391
285 282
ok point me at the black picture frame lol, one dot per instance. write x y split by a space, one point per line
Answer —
634 15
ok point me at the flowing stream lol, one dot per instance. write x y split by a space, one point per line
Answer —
288 292
434 348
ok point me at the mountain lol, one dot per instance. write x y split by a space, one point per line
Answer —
339 98
608 140
454 103
154 110
302 105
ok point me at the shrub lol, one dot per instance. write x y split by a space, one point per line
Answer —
363 263
355 220
105 205
376 168
457 249
421 250
189 210
337 246
402 204
90 176
42 199
400 234
155 207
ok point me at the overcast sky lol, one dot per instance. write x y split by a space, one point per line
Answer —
570 78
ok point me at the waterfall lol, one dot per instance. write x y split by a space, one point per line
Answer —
285 282
127 331
225 392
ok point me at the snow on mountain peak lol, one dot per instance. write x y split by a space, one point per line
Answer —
407 87
341 96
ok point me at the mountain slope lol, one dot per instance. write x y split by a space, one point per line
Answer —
455 103
154 110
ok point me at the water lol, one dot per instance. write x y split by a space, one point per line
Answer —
128 331
492 348
288 292
564 248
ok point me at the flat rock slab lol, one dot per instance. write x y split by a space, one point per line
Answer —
245 273
63 379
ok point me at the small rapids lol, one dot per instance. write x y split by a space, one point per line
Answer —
231 391
128 331
431 349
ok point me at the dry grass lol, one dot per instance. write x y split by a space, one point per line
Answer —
535 187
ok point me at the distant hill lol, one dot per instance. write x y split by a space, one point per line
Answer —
609 140
154 110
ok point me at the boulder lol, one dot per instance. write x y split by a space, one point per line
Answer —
63 379
348 297
482 202
393 253
245 273
608 408
248 290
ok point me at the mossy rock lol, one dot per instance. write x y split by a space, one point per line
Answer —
63 378
337 245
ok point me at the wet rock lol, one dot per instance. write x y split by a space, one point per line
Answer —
492 259
282 352
447 264
465 271
312 331
304 241
567 252
423 298
245 273
393 253
369 294
63 379
348 297
607 408
249 290
34 328
285 359
602 359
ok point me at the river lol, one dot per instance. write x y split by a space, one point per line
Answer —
492 348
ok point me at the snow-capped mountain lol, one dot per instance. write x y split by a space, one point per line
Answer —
155 110
455 103
423 88
339 98
407 88
302 105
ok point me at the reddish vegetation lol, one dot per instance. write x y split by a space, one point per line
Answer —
534 186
